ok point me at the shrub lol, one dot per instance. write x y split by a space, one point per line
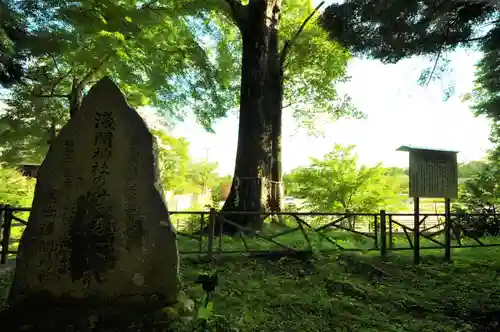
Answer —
479 226
15 189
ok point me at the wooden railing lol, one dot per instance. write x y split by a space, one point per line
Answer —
291 233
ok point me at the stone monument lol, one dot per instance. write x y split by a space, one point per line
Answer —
99 230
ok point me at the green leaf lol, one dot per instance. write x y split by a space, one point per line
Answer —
205 313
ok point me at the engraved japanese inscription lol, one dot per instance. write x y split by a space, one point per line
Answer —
433 174
95 221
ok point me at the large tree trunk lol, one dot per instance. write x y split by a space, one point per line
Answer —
275 104
258 163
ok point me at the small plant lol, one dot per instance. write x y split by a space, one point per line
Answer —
205 313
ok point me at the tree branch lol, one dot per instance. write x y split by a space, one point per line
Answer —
289 43
296 103
53 88
237 13
54 85
438 56
52 95
92 71
55 63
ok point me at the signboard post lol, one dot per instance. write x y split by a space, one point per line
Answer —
433 174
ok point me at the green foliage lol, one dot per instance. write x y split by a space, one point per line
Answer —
482 189
342 292
220 190
485 97
313 67
29 124
202 175
155 55
471 169
167 54
400 176
12 31
206 312
173 161
338 183
391 31
16 189
179 173
480 193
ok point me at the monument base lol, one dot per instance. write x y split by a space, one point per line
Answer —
80 317
131 313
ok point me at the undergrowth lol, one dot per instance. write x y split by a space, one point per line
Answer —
357 293
337 291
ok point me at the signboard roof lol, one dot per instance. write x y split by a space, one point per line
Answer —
409 148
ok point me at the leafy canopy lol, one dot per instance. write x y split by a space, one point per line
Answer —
168 54
338 183
154 55
481 189
312 68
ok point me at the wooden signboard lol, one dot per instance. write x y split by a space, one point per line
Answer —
433 173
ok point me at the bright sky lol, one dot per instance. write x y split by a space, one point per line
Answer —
400 112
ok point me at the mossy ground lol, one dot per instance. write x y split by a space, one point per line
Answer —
338 291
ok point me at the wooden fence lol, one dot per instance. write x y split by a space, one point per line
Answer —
291 233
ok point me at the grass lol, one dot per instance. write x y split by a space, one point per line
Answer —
351 293
338 291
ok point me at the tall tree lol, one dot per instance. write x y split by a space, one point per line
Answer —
173 161
184 53
285 63
337 182
179 173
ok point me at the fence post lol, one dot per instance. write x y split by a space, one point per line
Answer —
7 224
416 230
447 229
2 227
391 241
383 234
375 230
202 229
211 232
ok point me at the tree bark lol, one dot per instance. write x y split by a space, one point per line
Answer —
75 97
275 104
258 156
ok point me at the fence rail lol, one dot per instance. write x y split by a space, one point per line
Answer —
290 233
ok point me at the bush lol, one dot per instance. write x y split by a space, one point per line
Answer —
479 226
16 189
